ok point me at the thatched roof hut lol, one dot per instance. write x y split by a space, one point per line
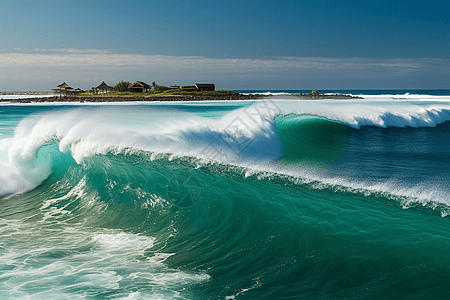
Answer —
139 87
63 89
104 88
65 86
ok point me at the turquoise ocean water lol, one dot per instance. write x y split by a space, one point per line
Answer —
279 198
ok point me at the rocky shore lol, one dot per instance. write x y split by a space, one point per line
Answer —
132 98
324 96
313 96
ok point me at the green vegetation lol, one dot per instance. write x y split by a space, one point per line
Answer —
122 86
160 89
115 94
206 93
220 93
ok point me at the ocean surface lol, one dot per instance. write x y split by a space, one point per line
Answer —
279 198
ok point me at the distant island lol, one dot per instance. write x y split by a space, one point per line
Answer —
140 91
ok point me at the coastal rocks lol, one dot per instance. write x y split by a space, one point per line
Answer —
134 99
315 95
80 99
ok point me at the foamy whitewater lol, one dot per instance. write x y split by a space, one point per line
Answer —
279 198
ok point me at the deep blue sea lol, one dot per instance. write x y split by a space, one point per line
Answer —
278 198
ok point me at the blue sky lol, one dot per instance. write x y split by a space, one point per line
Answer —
235 44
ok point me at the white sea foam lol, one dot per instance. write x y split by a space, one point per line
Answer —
18 176
408 195
89 132
375 113
87 262
406 97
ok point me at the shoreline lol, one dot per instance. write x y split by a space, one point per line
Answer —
169 98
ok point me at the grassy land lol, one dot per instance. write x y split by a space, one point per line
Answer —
169 92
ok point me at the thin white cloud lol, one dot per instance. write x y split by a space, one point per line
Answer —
105 58
88 66
75 51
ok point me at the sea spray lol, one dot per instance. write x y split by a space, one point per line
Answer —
85 133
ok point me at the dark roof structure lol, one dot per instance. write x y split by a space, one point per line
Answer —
64 86
205 86
199 87
139 86
63 89
188 88
104 87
